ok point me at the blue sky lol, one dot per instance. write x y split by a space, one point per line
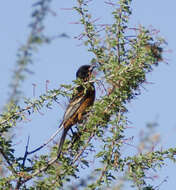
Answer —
57 61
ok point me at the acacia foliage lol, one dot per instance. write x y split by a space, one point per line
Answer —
124 55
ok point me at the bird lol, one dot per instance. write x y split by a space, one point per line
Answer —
83 97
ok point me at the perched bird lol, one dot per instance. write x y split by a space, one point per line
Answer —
82 98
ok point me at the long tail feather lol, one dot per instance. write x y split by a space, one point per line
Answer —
62 140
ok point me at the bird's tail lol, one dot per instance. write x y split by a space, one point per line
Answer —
61 143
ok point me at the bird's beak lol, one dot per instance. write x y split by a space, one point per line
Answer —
92 67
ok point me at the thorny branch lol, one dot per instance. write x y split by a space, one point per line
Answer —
47 97
23 164
106 166
24 53
81 151
47 142
8 162
89 36
26 153
52 161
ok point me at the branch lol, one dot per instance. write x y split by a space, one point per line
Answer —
118 36
26 153
81 151
106 166
43 98
48 141
52 161
24 54
8 162
44 168
20 181
23 164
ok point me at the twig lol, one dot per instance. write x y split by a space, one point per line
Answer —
48 141
26 153
16 114
33 104
8 162
20 181
81 151
52 161
118 36
106 166
23 164
40 170
43 168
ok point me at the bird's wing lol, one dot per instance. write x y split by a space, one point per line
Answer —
74 105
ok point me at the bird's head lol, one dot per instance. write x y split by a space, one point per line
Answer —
84 72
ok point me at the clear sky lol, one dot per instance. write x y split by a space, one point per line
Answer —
58 61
